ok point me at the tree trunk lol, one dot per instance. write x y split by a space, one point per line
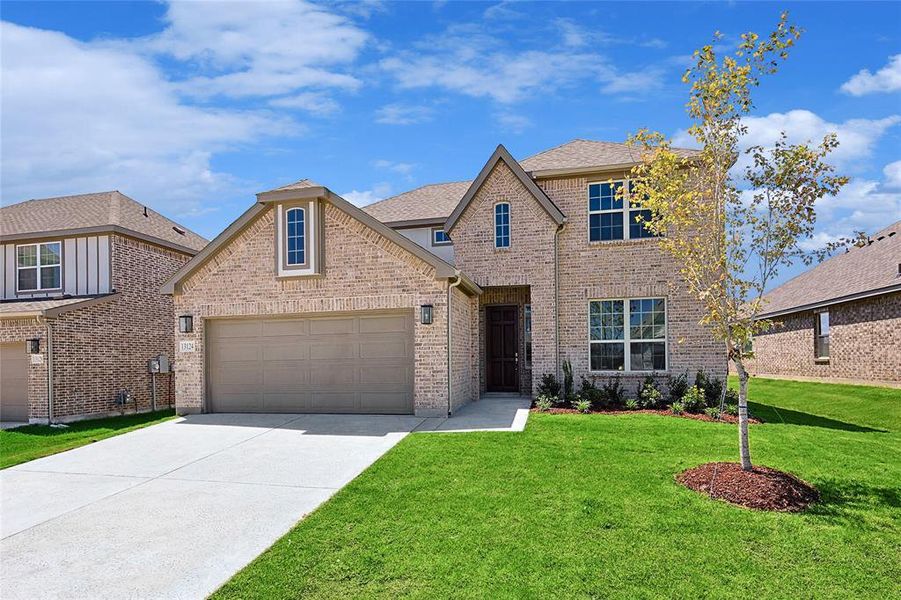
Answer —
743 450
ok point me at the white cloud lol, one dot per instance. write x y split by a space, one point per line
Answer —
886 79
892 173
403 114
512 122
86 117
395 167
244 49
635 83
378 192
862 205
316 103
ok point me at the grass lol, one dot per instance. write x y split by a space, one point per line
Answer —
35 441
586 506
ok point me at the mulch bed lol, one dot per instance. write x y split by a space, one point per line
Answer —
724 418
761 488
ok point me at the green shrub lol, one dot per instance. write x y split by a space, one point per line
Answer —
589 391
631 404
677 408
693 401
731 396
649 395
568 391
712 412
545 403
731 409
677 387
613 391
582 405
549 386
711 386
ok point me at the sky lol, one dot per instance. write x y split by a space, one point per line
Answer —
191 108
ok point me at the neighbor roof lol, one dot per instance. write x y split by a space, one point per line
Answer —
860 272
18 309
427 203
103 211
586 154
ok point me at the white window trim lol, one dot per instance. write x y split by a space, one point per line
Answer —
625 210
38 266
509 225
817 334
627 354
435 231
305 249
283 270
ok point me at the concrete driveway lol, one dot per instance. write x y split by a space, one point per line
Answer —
173 510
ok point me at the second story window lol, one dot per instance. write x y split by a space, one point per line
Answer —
38 267
296 236
440 237
821 335
607 214
502 225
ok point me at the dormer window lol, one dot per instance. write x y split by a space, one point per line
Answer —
39 267
502 225
440 237
297 237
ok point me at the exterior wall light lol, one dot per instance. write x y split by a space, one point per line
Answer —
34 345
425 316
185 324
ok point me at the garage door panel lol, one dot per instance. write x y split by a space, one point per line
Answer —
342 363
13 382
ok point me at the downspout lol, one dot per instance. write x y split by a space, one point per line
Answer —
450 385
557 299
49 373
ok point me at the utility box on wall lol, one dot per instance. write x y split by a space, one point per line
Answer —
159 364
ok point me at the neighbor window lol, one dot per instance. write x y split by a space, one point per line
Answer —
296 236
502 225
38 267
607 213
627 335
440 237
821 338
527 326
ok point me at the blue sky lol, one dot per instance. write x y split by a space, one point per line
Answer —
192 107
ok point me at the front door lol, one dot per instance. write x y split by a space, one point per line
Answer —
502 348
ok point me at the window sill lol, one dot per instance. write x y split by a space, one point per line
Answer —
821 361
621 242
652 372
300 276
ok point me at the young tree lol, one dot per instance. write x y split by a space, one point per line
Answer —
732 234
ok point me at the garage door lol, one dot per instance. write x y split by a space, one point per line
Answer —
13 382
347 363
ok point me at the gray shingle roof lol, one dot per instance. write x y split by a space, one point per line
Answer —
93 210
297 185
858 271
435 201
583 154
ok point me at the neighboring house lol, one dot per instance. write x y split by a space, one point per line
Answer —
309 304
81 312
839 320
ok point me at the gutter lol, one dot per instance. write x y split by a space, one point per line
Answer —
560 228
450 291
837 300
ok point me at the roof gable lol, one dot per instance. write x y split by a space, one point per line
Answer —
502 155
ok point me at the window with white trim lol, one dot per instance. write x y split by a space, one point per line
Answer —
502 225
627 335
527 326
440 237
821 339
38 267
295 219
607 213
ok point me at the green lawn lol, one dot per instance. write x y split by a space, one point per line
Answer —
585 506
34 441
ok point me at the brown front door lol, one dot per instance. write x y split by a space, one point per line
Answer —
502 348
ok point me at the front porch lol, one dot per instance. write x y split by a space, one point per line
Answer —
505 341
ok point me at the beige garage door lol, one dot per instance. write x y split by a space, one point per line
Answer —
13 382
347 363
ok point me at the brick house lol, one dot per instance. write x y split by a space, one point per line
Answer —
430 299
81 312
841 320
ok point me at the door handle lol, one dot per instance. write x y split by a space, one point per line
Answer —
516 357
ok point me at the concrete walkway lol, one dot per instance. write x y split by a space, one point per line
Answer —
175 509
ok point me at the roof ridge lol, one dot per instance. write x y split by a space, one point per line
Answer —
416 189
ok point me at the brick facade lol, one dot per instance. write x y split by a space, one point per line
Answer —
587 270
864 343
103 348
363 271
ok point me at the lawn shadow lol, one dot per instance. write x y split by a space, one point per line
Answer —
844 500
105 423
772 414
